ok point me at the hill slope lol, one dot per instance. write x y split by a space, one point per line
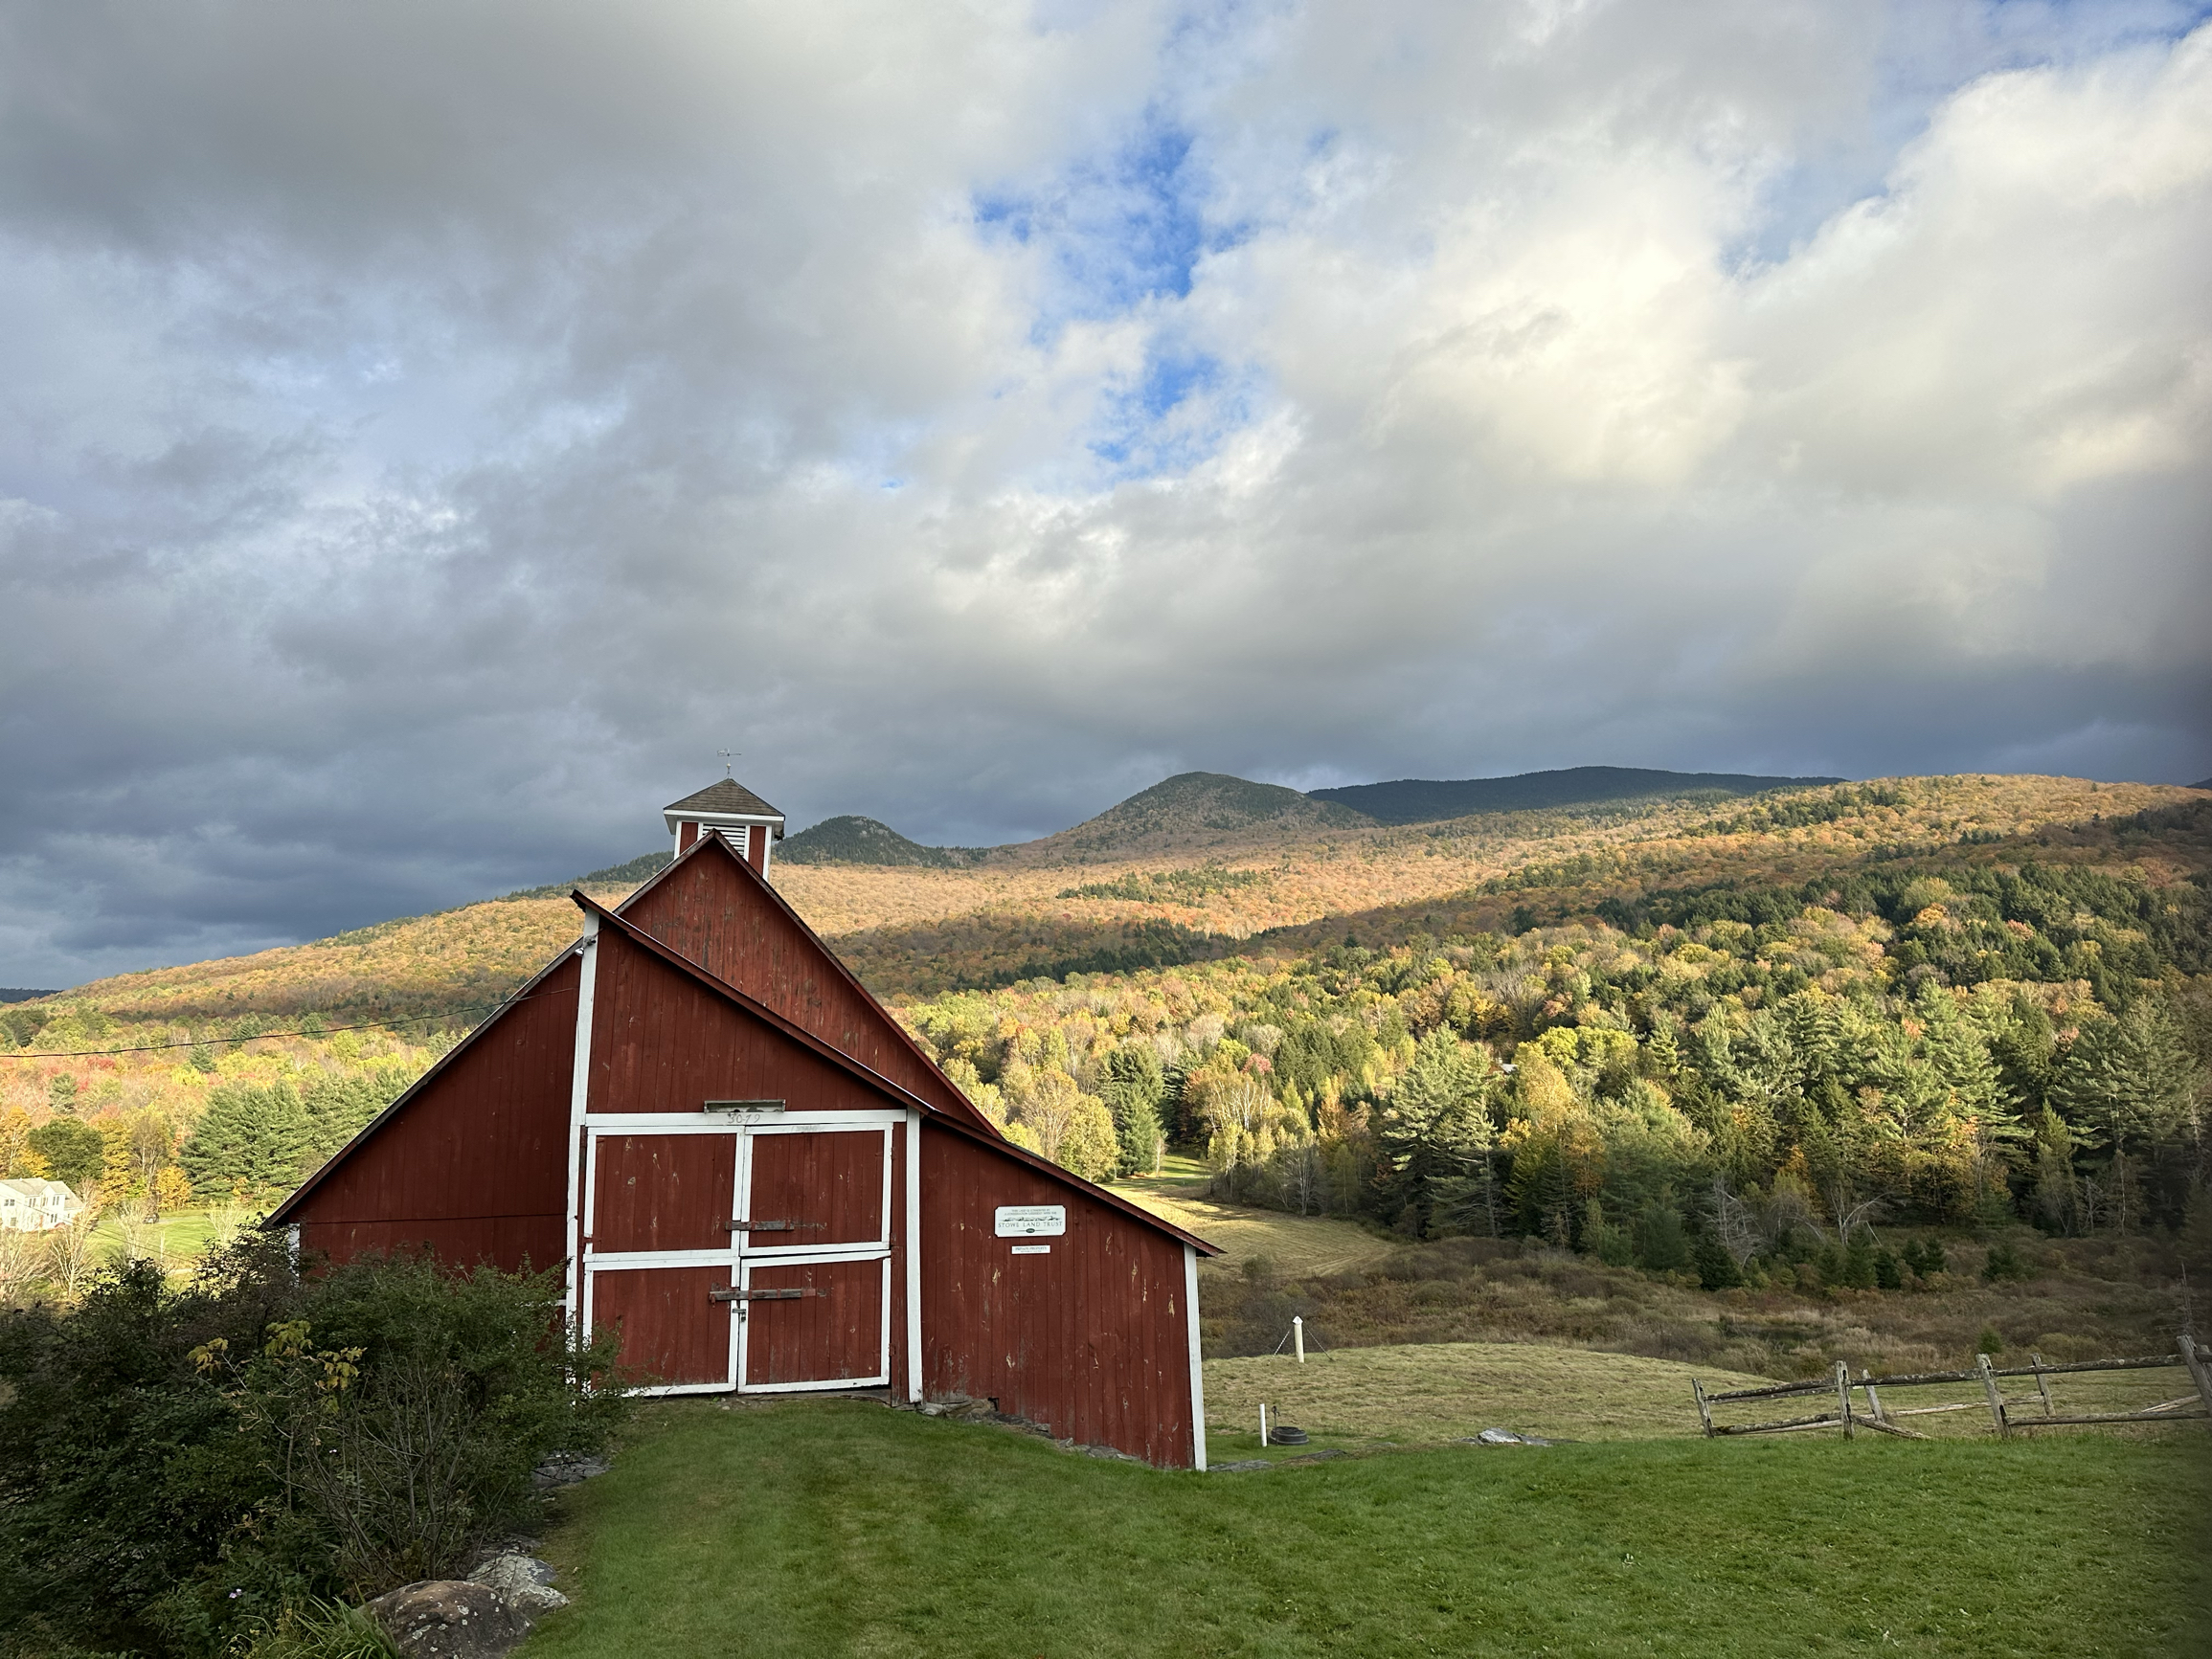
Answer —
1422 801
1191 812
865 841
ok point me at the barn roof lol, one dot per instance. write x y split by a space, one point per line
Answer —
725 795
715 842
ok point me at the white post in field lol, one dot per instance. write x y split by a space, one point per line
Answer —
1263 1426
1298 1334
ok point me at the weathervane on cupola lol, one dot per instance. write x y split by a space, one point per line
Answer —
751 826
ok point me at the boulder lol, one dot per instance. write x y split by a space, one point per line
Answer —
522 1580
449 1618
564 1470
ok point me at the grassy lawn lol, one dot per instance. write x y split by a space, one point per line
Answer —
842 1528
177 1240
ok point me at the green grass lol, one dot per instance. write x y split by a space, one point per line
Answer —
177 1239
812 1528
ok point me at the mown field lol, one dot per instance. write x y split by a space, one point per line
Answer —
835 1528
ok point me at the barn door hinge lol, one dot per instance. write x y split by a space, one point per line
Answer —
741 1226
733 1294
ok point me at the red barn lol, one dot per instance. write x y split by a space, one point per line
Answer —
755 1174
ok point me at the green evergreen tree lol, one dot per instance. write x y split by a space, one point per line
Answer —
1132 1087
2127 1079
1435 1136
1716 1268
339 1105
1663 1245
259 1139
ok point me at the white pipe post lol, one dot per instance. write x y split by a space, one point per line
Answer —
1263 1426
1298 1334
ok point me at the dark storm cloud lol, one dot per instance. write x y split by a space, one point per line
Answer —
433 431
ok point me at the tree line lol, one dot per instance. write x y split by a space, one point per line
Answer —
1730 1081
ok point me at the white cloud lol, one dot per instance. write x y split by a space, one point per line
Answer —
433 433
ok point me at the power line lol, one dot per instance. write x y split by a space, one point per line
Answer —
202 1041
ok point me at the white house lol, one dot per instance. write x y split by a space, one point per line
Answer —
31 1205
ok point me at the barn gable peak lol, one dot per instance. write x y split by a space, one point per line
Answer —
727 805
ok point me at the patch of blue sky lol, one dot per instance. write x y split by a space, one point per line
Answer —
1122 229
1929 57
1172 417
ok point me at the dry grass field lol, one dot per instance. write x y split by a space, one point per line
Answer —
1296 1246
1445 1391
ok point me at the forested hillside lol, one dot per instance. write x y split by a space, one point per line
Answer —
1700 1035
1430 800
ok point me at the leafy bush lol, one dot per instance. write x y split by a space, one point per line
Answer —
179 1466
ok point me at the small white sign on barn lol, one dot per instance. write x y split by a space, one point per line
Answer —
1032 1220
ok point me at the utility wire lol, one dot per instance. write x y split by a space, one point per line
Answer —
203 1041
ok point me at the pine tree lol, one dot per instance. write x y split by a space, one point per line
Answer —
1436 1134
260 1139
1132 1085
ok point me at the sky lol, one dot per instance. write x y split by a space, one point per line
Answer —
429 432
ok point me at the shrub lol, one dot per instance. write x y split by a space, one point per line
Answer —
1860 1271
178 1467
2003 1262
1717 1270
1989 1341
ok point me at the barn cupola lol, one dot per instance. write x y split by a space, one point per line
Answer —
727 805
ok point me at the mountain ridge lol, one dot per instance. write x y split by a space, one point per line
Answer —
1434 800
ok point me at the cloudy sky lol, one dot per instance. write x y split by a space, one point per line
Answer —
430 431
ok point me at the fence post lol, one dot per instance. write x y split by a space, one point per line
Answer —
2043 1387
1705 1411
2197 1374
1844 1396
1873 1400
1996 1402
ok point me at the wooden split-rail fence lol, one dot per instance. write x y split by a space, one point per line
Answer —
2006 1414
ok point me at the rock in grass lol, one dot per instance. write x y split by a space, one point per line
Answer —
522 1580
449 1618
1505 1437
